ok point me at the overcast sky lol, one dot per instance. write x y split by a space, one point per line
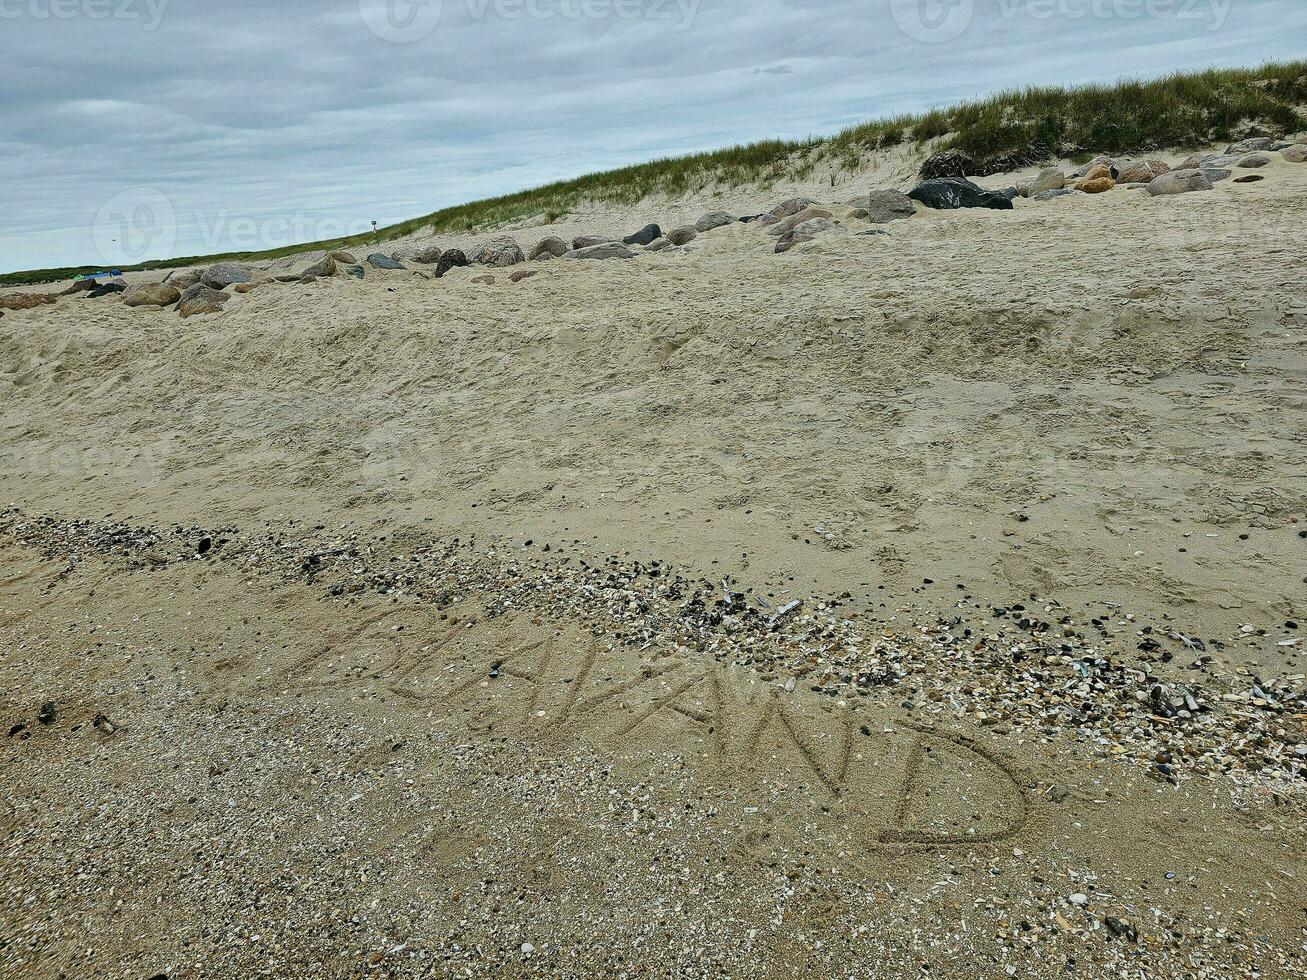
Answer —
135 129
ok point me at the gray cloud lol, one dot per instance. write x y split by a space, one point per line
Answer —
296 119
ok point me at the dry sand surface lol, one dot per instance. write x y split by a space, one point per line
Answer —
413 627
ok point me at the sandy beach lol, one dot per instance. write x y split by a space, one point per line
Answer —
924 603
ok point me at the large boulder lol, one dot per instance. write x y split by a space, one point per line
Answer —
428 254
151 294
1179 182
499 253
644 236
322 269
713 219
585 241
949 193
1097 180
793 221
343 258
1049 179
1251 145
792 206
1253 161
26 301
607 250
951 163
380 261
201 299
682 236
805 231
1295 154
552 247
183 280
452 258
223 274
889 205
1140 171
1216 174
1099 161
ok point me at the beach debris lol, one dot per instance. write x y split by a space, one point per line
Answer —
950 163
102 723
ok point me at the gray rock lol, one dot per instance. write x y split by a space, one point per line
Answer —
183 280
644 236
151 294
793 206
585 241
356 271
1086 167
499 253
224 274
428 254
713 219
871 231
862 214
1295 154
658 245
1179 182
607 250
1254 161
1251 145
805 231
1049 179
1052 194
320 270
889 205
1215 175
682 236
344 258
1140 171
552 247
787 225
379 261
201 299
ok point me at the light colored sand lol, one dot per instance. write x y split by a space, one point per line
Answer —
1099 402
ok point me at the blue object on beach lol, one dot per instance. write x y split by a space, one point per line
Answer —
98 275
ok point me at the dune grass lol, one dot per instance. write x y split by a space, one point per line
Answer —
1006 130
